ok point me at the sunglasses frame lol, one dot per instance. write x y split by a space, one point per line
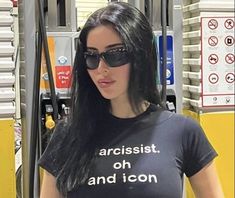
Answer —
102 55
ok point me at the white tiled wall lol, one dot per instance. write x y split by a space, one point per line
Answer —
7 66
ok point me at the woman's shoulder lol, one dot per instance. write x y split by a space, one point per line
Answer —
53 155
176 120
61 130
58 137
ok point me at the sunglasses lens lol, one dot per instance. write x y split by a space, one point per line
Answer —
112 58
116 59
92 60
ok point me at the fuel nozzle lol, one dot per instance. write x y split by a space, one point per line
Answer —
66 109
49 123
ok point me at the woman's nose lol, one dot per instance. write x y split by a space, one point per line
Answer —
103 68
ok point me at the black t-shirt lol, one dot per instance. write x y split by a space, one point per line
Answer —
145 156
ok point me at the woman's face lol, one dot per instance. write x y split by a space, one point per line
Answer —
112 82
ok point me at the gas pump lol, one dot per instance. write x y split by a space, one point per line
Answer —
169 42
55 84
166 20
47 43
61 36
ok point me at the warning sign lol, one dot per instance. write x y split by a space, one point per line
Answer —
213 59
229 24
229 40
229 58
213 41
212 24
230 78
217 58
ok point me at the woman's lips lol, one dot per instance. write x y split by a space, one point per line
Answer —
105 83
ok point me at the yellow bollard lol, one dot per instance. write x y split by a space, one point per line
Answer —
7 159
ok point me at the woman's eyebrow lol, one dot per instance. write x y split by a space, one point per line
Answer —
107 47
91 48
114 45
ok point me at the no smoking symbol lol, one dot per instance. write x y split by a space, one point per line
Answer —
230 77
213 59
213 41
229 58
213 78
229 24
212 24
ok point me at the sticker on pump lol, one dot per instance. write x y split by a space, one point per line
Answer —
63 76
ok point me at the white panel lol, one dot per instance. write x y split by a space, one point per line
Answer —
6 5
6 94
215 1
6 49
6 34
218 6
5 19
6 65
196 103
86 7
7 109
7 79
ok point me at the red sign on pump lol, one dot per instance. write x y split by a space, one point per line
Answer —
63 76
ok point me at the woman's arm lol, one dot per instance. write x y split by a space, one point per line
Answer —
48 188
206 183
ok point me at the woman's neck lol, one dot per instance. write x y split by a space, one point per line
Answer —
123 109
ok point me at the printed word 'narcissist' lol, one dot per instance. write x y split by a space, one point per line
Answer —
129 150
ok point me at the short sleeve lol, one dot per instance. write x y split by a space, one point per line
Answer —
198 151
50 159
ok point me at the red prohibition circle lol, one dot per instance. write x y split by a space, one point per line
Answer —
213 78
229 58
230 77
213 41
229 24
213 59
212 24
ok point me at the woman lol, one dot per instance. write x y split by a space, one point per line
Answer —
119 141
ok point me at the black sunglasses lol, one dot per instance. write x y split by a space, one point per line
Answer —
114 58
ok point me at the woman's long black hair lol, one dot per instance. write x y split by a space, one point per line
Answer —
88 106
